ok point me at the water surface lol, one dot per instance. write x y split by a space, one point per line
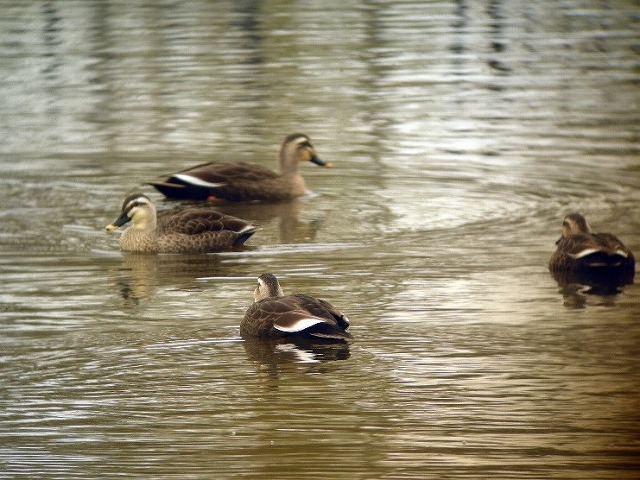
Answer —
461 133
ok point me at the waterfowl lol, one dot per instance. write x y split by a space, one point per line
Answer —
274 314
183 231
238 182
581 250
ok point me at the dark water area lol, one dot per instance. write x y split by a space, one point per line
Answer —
460 134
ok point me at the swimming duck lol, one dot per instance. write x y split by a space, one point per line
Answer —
239 182
579 249
183 231
274 314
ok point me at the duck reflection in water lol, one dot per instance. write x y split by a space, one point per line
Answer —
269 353
577 287
139 276
293 223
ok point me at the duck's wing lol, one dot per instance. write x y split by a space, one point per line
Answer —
195 221
276 317
289 315
218 174
194 183
333 324
201 231
222 180
322 309
592 251
612 245
294 315
579 245
571 250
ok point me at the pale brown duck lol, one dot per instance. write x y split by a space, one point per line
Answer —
240 181
188 230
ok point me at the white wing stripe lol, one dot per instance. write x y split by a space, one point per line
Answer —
191 180
589 251
585 252
300 325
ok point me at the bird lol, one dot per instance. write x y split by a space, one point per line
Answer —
581 250
276 315
188 230
241 181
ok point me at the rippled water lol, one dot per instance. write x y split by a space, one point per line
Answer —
460 134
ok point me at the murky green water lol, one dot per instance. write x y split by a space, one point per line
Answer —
460 134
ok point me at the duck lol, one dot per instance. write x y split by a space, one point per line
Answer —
241 181
276 315
581 250
188 230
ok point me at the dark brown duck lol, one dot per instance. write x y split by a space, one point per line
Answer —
579 249
240 181
274 314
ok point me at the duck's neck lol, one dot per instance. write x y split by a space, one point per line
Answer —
145 219
145 224
275 291
141 236
288 162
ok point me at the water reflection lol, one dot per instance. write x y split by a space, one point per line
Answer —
460 132
292 226
138 276
269 355
51 41
603 287
497 41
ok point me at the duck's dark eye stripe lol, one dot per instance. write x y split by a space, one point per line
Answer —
133 204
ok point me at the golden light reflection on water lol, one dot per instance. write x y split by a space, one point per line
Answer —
460 135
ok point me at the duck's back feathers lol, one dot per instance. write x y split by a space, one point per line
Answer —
201 231
613 245
226 172
195 221
579 252
233 182
322 309
293 315
582 250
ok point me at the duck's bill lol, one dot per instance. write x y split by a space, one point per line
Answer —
320 162
121 220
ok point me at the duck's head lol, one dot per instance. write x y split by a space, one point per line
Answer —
136 208
267 287
574 224
297 148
